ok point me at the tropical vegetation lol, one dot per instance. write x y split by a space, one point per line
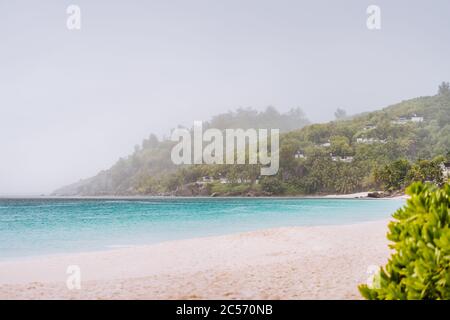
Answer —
419 268
380 150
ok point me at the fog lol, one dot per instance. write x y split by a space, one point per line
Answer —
73 101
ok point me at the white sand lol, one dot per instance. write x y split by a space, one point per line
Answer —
325 262
347 196
359 195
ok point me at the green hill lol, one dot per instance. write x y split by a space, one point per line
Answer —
148 170
337 157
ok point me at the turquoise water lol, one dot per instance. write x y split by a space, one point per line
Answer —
31 227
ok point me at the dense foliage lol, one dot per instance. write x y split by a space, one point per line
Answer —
149 169
420 266
401 173
371 151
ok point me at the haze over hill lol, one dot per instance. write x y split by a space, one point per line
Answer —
152 157
337 157
73 102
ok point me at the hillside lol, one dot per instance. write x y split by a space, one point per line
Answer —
147 169
337 157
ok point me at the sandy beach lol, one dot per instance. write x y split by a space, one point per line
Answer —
362 195
323 262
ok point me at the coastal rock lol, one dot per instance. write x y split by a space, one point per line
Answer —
378 194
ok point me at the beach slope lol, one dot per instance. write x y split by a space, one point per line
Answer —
322 262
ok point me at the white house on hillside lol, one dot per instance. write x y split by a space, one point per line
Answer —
404 120
223 180
416 118
400 121
369 140
445 167
369 127
347 159
299 155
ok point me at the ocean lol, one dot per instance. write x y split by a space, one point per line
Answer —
33 227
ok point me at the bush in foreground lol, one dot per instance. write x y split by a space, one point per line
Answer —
419 268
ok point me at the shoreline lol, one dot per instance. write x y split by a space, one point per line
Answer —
119 247
357 195
321 262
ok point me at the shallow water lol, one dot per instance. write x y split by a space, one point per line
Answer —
30 227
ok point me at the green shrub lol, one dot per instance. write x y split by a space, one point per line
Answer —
235 188
273 185
419 268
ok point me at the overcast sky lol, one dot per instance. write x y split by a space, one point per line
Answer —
73 102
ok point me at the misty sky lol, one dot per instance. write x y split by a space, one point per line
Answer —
73 102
